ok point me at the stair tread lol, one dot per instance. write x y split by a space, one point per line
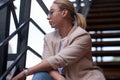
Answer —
103 15
105 5
106 9
106 43
108 63
109 66
106 35
102 27
106 53
112 73
105 1
104 20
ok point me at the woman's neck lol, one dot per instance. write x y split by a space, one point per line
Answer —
64 30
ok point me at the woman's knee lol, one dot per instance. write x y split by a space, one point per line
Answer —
42 76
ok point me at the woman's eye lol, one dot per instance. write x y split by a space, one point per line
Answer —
51 12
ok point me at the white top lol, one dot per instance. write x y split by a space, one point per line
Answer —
60 48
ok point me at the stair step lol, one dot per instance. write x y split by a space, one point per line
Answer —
106 35
103 10
111 70
106 43
106 53
105 1
105 5
109 65
104 20
103 15
101 27
112 74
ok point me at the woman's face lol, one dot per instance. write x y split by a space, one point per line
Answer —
55 16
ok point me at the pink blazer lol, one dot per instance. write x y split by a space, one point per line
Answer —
75 57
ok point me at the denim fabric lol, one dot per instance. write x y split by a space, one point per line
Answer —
42 76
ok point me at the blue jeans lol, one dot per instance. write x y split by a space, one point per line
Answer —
42 76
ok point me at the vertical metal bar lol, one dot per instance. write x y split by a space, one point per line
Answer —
4 32
14 15
25 6
78 6
86 7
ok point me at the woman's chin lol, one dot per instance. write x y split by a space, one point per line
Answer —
52 26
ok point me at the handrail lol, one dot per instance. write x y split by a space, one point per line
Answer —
37 26
27 48
18 59
43 6
14 63
14 33
4 3
32 50
9 3
18 29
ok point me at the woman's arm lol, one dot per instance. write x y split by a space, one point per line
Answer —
56 75
43 66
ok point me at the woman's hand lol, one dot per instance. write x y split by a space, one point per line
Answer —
43 66
61 78
19 76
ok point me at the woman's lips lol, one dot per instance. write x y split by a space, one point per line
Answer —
50 22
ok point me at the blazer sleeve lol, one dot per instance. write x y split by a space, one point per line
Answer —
46 50
78 47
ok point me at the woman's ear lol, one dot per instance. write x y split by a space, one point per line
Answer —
65 12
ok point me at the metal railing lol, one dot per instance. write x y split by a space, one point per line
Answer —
22 26
19 28
18 59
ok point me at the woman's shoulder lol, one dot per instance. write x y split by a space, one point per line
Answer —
80 35
79 31
52 35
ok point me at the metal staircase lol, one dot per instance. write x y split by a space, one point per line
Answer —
104 26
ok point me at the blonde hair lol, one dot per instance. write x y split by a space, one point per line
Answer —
77 18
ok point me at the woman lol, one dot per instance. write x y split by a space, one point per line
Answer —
67 50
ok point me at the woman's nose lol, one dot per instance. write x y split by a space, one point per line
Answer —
48 17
